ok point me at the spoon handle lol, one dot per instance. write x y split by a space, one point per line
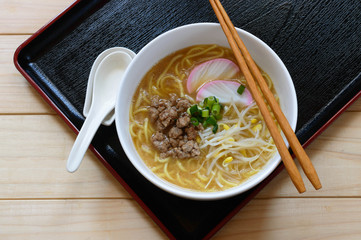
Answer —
84 138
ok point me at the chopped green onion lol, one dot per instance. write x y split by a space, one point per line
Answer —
210 101
205 113
211 121
200 119
215 128
194 121
211 98
194 110
216 109
218 116
240 89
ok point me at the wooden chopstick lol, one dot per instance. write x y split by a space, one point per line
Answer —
237 44
298 150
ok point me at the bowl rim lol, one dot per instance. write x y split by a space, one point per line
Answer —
172 188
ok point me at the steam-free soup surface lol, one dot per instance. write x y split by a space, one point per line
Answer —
239 148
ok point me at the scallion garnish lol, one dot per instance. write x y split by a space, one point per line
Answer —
215 128
218 116
210 101
194 111
211 120
216 109
200 119
206 112
194 121
240 89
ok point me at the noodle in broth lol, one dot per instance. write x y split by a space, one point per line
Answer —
239 149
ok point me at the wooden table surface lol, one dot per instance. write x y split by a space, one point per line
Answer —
39 199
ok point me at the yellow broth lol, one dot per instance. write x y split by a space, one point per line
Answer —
170 75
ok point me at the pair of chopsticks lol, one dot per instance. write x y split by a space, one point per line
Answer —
247 65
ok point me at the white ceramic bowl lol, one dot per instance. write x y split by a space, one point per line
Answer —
181 37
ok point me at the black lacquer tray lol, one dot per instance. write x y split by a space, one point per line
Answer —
319 42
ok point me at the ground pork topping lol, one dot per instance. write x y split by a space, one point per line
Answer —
175 135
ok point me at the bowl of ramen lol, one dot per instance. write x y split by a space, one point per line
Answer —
187 121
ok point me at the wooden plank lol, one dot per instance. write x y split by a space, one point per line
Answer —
355 107
23 17
278 218
336 154
76 219
46 142
33 154
16 94
296 218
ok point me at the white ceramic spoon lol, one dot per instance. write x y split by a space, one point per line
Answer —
108 120
105 87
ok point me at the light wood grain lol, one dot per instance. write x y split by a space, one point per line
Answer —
33 154
75 219
296 218
277 218
19 17
355 107
336 154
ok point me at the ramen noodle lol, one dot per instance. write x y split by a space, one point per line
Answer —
220 158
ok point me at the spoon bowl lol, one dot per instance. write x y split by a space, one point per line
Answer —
109 119
107 79
106 83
